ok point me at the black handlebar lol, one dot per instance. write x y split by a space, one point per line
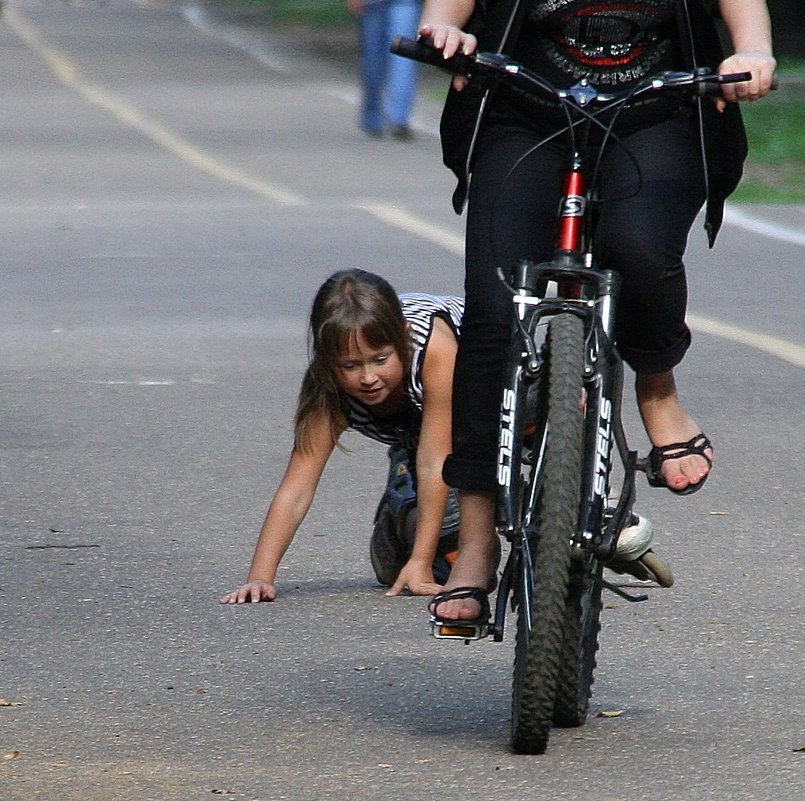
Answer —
496 66
422 50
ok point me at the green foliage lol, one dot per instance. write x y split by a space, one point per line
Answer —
775 169
311 12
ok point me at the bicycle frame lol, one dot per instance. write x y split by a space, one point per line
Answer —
560 424
591 294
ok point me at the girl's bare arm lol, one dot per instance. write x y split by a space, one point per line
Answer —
285 514
435 443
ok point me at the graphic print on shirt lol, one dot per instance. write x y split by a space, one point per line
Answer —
610 44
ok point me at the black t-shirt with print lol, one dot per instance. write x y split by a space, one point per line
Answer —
611 44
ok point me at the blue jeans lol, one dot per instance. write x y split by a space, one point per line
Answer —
388 81
395 523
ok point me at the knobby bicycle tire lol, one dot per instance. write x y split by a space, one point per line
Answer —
582 624
542 590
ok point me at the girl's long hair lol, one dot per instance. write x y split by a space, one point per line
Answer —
348 303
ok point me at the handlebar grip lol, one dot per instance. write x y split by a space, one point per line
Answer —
713 87
738 77
416 49
422 50
735 77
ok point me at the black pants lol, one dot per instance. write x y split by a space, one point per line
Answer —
642 232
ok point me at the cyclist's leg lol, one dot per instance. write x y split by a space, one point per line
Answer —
509 217
644 236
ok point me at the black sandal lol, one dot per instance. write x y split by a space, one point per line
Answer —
460 629
458 594
696 446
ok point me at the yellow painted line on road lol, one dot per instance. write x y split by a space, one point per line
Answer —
394 216
68 74
781 348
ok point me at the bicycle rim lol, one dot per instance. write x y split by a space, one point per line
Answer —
544 575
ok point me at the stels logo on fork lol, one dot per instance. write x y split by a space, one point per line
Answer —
506 437
572 206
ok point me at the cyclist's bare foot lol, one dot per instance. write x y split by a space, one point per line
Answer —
666 422
474 565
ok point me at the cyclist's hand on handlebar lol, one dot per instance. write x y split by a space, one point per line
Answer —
761 65
417 578
253 592
450 39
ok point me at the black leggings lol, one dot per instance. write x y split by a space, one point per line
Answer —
642 234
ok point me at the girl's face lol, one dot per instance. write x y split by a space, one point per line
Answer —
371 375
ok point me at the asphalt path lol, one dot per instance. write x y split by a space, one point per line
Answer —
173 187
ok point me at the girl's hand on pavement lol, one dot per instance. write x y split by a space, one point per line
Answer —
253 592
417 579
762 67
451 40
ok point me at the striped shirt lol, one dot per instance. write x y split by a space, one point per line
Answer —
420 310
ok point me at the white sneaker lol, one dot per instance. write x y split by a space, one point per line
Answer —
635 540
633 555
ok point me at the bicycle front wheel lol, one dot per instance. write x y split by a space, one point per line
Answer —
582 624
542 588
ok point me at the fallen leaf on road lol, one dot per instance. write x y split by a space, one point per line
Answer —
610 713
3 702
720 514
9 756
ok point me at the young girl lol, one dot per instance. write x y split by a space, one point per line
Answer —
383 366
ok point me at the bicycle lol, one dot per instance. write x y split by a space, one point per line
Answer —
560 426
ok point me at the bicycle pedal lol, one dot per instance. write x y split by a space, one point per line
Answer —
467 630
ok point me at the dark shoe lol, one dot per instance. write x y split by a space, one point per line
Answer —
401 132
386 552
395 517
696 446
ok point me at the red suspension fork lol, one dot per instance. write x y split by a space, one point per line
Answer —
570 222
570 227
